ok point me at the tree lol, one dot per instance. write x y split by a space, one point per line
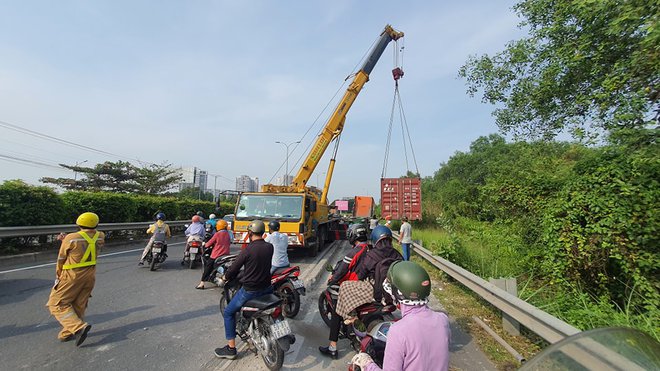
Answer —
195 193
119 177
586 66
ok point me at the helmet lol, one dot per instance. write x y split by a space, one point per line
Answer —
220 225
160 216
357 232
379 233
200 214
274 225
212 216
195 219
88 220
388 217
408 283
257 227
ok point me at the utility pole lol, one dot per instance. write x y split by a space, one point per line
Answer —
75 173
286 176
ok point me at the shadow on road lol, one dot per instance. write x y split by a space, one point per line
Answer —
13 330
17 290
117 334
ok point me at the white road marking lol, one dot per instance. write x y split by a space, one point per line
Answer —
100 256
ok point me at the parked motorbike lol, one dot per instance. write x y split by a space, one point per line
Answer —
373 343
157 255
193 253
261 325
368 316
285 281
288 287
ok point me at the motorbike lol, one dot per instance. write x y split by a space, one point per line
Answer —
260 324
193 252
373 343
369 316
286 285
157 255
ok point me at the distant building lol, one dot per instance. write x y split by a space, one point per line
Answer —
246 184
192 177
284 180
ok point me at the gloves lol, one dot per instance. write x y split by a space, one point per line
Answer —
361 360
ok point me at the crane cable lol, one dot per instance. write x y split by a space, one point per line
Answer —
397 74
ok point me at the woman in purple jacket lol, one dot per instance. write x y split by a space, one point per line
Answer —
420 339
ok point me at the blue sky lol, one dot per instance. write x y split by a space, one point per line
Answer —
214 84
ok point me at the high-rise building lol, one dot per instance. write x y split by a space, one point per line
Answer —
246 184
201 180
193 177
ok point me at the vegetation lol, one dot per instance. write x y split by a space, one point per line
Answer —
119 177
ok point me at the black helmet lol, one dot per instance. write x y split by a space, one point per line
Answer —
257 227
160 216
200 213
357 232
408 283
274 225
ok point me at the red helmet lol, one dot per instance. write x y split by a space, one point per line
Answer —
195 218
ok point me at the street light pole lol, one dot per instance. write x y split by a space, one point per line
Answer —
286 176
75 172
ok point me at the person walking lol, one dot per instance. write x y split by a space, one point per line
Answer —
75 273
405 237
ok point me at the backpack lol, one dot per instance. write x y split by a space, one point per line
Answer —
351 275
380 274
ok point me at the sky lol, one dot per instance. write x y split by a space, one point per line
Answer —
214 84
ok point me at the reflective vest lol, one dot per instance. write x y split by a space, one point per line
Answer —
90 254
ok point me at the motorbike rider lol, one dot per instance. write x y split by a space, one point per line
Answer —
345 271
160 231
255 281
219 245
195 231
211 223
420 339
280 244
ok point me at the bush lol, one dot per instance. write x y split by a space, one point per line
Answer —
110 207
23 204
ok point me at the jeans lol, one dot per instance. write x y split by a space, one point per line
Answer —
405 247
274 268
241 297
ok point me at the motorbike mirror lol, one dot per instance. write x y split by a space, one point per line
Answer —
328 267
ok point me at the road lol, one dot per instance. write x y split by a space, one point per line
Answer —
157 320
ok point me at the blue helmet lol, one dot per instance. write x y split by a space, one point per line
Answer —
160 216
379 233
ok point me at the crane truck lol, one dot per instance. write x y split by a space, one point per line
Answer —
302 210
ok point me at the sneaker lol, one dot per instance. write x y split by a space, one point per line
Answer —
141 263
81 334
330 353
225 352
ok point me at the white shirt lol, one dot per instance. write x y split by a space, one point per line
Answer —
280 244
406 233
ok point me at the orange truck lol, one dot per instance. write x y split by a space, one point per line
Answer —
363 207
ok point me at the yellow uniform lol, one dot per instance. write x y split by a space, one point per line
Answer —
76 274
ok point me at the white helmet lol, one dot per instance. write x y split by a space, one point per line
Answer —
212 216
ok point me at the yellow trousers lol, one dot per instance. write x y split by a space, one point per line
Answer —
68 300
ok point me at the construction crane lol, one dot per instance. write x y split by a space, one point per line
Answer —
302 210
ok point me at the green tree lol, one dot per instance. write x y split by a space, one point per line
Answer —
586 66
195 193
157 179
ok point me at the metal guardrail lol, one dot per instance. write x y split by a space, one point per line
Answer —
547 326
30 231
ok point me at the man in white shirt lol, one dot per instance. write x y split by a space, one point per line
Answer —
280 244
405 237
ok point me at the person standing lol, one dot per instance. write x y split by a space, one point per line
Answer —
255 261
160 231
280 244
405 237
75 277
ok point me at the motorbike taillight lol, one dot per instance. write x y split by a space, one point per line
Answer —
276 313
195 244
296 273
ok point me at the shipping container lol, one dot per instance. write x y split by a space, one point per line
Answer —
401 196
363 207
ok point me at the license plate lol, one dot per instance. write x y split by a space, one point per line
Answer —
193 250
155 250
298 284
280 329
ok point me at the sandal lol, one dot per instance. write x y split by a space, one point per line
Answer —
200 287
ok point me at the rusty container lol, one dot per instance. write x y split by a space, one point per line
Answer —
401 196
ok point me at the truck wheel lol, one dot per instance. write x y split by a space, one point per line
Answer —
313 249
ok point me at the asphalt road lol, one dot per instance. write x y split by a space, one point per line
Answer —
157 320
